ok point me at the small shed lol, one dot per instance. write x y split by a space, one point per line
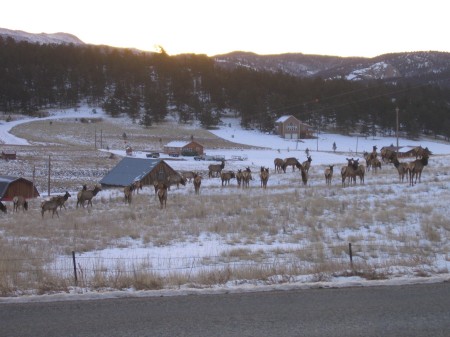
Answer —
8 155
291 128
12 186
130 169
191 148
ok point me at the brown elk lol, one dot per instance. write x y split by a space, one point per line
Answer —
329 174
416 168
19 202
137 185
61 200
50 205
175 179
360 172
3 207
87 195
128 193
376 164
402 169
239 177
216 169
388 155
162 195
246 177
226 176
307 164
291 161
303 172
278 162
188 175
349 171
420 152
197 183
264 176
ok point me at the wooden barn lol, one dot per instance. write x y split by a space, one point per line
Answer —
184 148
291 128
8 155
12 186
145 170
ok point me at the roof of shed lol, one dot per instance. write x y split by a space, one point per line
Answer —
5 181
129 170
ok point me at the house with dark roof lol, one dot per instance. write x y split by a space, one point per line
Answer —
12 186
291 128
130 169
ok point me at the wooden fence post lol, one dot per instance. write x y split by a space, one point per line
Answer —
351 254
74 268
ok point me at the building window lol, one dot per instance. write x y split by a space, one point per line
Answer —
291 127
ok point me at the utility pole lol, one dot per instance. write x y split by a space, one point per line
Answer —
396 131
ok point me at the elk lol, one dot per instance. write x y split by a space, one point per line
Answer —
3 207
175 179
264 176
87 195
329 174
239 177
278 162
416 168
61 200
303 172
420 152
137 185
349 171
188 175
128 193
402 169
19 202
360 171
246 177
197 183
291 161
50 205
375 163
307 164
216 169
388 155
162 195
226 177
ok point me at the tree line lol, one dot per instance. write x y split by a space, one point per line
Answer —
147 86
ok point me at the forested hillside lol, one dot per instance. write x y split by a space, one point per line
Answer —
147 86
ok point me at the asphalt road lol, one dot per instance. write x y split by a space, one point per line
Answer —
413 310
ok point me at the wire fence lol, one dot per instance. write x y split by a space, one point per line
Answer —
78 268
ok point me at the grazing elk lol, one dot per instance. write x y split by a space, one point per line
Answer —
162 195
216 169
307 164
50 205
402 169
303 172
226 176
246 177
61 200
329 174
264 176
197 183
128 193
239 177
175 179
87 195
416 168
19 202
3 207
278 162
188 175
291 161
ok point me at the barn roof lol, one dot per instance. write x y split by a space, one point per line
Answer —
128 170
5 181
283 119
177 143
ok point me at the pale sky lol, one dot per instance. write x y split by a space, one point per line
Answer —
324 27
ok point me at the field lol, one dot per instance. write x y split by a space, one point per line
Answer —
226 237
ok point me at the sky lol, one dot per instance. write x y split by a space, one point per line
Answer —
323 27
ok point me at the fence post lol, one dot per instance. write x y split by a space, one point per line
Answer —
350 253
74 268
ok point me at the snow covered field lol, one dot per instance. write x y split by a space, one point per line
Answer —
399 210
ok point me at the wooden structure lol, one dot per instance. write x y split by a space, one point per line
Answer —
131 169
290 127
184 148
12 186
8 155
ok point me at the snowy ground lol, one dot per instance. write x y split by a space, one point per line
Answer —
322 154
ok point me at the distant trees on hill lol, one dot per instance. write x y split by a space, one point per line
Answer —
147 86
